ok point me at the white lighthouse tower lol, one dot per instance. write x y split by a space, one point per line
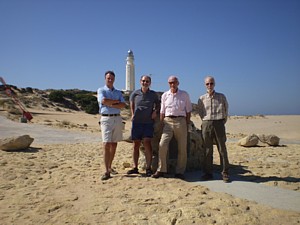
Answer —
130 72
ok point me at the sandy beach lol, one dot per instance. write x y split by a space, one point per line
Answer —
59 183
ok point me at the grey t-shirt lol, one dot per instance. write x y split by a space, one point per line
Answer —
144 104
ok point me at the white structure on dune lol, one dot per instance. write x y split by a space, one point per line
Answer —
130 72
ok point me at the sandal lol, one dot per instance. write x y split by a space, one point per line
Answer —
106 176
148 172
133 171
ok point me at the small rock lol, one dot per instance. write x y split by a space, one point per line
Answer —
16 143
126 165
271 139
249 141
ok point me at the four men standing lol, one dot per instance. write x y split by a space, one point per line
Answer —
175 116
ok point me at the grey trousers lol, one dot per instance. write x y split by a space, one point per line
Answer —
214 129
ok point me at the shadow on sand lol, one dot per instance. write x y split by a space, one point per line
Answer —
240 173
27 150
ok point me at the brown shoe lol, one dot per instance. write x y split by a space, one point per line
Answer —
158 174
225 177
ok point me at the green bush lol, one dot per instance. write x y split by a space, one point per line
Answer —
56 96
92 108
86 100
29 90
70 94
88 103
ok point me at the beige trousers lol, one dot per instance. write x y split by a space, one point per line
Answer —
178 128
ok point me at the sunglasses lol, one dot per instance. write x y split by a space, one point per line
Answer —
147 81
209 84
172 82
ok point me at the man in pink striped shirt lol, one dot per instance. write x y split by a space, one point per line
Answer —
175 116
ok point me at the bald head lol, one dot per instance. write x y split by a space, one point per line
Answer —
209 78
173 79
209 82
173 83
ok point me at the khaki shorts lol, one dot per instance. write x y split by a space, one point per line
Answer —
111 128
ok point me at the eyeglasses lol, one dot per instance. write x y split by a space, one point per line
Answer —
147 81
209 84
172 82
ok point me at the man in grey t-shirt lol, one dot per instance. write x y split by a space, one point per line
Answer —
144 104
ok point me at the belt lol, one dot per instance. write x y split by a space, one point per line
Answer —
110 114
175 116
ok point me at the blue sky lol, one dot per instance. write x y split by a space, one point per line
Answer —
251 47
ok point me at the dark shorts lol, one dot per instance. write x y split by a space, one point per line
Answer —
141 130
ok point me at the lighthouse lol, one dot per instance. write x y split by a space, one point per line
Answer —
130 74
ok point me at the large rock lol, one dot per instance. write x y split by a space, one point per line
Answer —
16 143
155 144
195 150
270 139
249 141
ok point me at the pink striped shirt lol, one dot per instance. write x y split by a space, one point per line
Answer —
175 104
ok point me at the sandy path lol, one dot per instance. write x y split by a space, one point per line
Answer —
45 134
